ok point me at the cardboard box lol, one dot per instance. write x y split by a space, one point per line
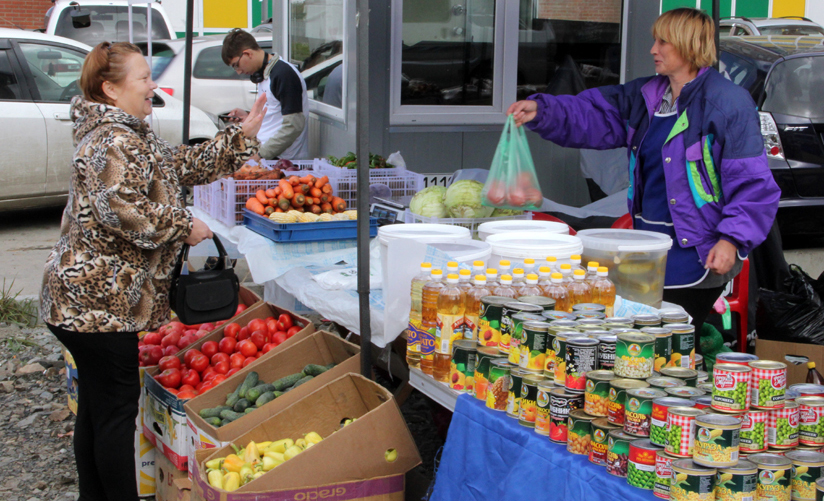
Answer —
347 457
71 380
172 484
320 348
165 418
795 355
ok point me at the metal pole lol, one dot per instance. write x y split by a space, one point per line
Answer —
716 19
148 33
187 70
129 10
362 152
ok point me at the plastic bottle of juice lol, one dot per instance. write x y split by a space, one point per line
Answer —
491 278
505 289
518 279
529 266
413 343
592 271
544 277
451 267
504 268
530 288
472 310
559 293
566 272
478 268
579 290
575 259
552 262
603 291
451 307
465 284
429 319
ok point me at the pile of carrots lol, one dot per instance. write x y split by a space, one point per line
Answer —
304 194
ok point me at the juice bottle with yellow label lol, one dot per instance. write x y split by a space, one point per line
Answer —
529 266
505 289
413 342
429 320
518 279
451 307
592 271
566 272
552 262
530 288
603 291
472 309
559 293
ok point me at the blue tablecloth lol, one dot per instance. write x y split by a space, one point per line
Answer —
490 456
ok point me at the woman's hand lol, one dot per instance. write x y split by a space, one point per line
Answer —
721 257
523 111
236 115
251 124
200 232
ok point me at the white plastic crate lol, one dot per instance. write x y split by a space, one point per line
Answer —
470 223
204 200
402 186
342 172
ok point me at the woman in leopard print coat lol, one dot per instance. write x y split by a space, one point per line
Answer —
109 275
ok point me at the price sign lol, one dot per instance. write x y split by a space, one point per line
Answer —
436 180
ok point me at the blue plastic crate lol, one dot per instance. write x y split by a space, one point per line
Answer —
305 232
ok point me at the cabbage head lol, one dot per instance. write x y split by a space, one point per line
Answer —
429 202
463 199
506 212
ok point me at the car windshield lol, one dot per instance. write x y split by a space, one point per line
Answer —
162 55
794 88
111 24
793 30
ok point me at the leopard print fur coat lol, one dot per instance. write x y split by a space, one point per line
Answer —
125 220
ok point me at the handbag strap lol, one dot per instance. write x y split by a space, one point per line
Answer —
224 263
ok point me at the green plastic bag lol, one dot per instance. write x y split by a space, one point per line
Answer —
512 183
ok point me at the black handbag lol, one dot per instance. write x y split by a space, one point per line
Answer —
204 295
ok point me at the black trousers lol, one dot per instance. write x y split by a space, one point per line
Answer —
107 407
698 303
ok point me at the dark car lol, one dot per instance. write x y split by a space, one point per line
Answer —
785 76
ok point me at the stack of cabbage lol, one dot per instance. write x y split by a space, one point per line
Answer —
461 200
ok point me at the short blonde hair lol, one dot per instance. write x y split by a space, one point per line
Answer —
691 32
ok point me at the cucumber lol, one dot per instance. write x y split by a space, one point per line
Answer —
286 382
314 369
300 382
250 382
215 421
265 398
241 405
232 398
277 393
249 409
229 416
253 394
213 412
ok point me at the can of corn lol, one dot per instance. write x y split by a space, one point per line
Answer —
691 481
716 440
736 483
774 477
807 468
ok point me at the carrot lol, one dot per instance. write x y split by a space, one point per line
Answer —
315 192
304 188
321 181
307 179
294 180
269 210
273 201
317 200
254 205
338 204
301 209
270 193
326 188
277 191
315 209
298 199
325 207
261 196
286 188
284 203
326 197
279 210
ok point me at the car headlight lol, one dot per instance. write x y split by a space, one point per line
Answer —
215 120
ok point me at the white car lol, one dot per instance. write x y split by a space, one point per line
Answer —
108 21
38 78
763 26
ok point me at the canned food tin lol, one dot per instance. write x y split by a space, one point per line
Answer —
588 307
508 324
543 403
658 421
807 468
701 377
754 431
684 392
699 363
518 335
581 357
736 483
768 383
590 330
547 303
731 387
638 410
549 355
811 420
716 440
528 411
688 376
804 390
707 387
513 399
691 481
580 432
674 317
651 320
606 351
489 320
599 443
663 345
561 403
498 392
557 315
683 345
559 346
774 477
558 325
613 326
734 357
664 382
617 398
483 359
596 397
627 321
819 489
680 423
663 475
782 427
597 315
618 453
533 345
641 465
703 402
633 355
462 368
590 322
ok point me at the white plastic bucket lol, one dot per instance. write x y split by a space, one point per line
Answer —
517 246
466 251
510 226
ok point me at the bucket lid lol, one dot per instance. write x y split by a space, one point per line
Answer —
611 239
424 233
509 226
531 244
465 250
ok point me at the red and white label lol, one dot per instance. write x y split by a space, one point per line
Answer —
793 419
779 380
808 416
724 381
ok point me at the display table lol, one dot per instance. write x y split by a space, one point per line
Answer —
489 456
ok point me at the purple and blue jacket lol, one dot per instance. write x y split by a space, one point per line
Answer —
717 180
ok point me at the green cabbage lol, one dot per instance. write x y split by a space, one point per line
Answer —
429 202
506 212
463 199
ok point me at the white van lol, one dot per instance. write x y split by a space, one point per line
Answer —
109 21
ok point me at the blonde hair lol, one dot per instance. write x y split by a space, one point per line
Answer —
105 63
691 32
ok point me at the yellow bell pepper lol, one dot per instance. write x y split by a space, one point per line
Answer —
270 462
313 437
246 474
257 475
251 454
292 452
214 464
231 481
280 445
277 456
263 445
215 479
232 463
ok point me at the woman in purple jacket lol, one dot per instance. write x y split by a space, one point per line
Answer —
697 167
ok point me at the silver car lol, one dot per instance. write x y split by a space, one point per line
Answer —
763 26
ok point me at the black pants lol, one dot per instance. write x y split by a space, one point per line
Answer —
107 406
698 303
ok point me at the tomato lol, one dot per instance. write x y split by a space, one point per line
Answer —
207 386
170 350
221 368
152 338
248 361
227 345
189 354
184 387
267 347
185 395
172 391
186 340
292 331
151 355
209 348
201 333
172 327
170 339
170 378
232 372
247 348
169 362
208 327
236 361
280 337
231 330
285 321
199 362
243 333
219 379
220 322
219 357
190 377
272 326
267 319
199 386
256 325
206 374
259 338
240 309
